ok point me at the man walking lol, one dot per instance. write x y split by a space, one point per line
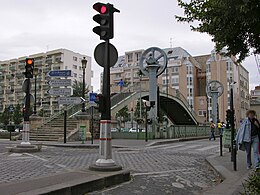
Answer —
212 131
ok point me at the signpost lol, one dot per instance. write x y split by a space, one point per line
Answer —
60 73
92 97
71 100
60 83
59 91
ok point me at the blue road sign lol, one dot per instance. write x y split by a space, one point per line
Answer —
11 108
60 73
92 97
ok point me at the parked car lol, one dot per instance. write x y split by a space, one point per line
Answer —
3 130
114 130
133 130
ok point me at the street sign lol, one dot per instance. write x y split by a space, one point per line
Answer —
60 82
11 108
71 100
59 91
25 84
60 73
31 100
100 53
92 97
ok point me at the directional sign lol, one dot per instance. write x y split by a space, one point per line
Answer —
60 82
60 73
92 97
59 91
71 100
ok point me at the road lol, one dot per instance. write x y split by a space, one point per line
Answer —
177 168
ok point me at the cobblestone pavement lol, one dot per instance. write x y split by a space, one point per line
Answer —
178 168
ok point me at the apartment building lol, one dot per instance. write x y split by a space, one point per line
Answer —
255 100
189 75
12 77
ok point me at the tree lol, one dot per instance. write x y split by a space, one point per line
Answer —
17 115
5 118
77 89
233 24
137 110
123 114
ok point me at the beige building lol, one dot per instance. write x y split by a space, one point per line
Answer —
12 77
189 75
255 100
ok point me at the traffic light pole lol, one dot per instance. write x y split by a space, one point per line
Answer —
105 161
26 121
232 124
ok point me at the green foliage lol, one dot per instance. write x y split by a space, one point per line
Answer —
233 24
78 89
124 112
137 110
17 115
252 185
5 117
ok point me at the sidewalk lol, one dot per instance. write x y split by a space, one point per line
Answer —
232 180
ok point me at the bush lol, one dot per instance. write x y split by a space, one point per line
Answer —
252 185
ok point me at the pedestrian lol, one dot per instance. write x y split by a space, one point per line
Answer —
212 131
248 137
219 127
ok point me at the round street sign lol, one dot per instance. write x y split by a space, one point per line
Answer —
31 100
25 84
99 54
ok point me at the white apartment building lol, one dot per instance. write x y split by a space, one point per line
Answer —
12 77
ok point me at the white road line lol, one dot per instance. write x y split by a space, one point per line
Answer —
207 148
162 172
37 157
175 146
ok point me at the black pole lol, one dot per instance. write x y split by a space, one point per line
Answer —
92 126
106 114
27 101
65 126
232 124
83 91
220 143
35 88
146 126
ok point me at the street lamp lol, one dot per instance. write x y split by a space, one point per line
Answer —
35 74
84 64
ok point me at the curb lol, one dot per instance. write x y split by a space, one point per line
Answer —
73 183
95 146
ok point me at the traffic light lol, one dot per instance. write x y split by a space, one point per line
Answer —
29 65
105 19
228 117
100 101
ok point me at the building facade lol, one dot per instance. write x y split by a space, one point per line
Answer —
189 75
12 77
255 100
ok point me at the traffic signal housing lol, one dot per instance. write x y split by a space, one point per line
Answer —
228 117
29 66
100 101
106 20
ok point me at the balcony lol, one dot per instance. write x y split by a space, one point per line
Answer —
48 61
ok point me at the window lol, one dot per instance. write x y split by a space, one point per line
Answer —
165 81
130 57
189 69
175 80
202 112
137 56
175 69
189 80
118 75
208 68
75 74
75 58
75 66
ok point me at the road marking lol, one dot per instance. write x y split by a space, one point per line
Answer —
162 172
207 148
175 146
37 157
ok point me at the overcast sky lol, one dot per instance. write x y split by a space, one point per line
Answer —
34 26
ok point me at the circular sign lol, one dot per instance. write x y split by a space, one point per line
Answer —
26 83
153 56
100 54
214 87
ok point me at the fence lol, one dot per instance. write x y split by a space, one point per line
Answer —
168 133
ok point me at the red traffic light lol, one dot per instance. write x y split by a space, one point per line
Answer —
29 61
103 9
100 7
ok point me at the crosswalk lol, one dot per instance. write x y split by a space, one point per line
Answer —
186 147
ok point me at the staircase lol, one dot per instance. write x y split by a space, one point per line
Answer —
54 130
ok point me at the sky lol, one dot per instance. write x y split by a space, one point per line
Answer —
35 26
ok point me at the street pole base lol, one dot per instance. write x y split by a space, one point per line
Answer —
25 148
105 165
25 143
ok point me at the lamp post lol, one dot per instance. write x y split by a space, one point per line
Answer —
35 74
84 64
